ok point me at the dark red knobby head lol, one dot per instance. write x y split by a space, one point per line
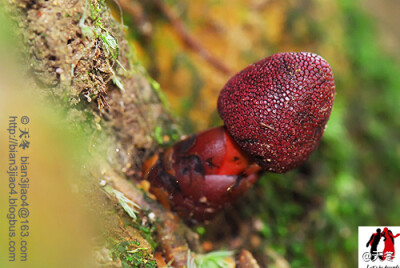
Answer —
276 109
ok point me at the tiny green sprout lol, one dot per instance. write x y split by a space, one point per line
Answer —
157 88
118 83
200 230
110 44
130 207
215 259
158 135
86 30
190 261
165 137
94 10
136 250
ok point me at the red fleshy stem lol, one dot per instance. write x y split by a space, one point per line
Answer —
201 173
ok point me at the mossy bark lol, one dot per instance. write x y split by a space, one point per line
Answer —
79 59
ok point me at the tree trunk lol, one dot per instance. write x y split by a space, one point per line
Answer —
80 60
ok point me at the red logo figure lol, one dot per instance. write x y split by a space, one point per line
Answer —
388 251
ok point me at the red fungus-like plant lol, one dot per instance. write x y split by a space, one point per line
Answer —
276 109
275 112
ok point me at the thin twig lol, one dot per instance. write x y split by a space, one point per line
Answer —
121 14
135 10
189 40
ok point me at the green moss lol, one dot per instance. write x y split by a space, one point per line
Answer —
132 256
146 227
148 232
166 136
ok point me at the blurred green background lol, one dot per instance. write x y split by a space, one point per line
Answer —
310 216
